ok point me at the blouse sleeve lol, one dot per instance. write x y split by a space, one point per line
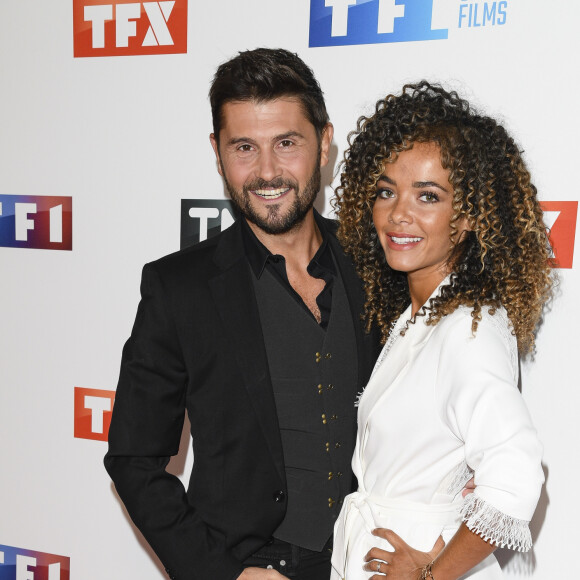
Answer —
479 401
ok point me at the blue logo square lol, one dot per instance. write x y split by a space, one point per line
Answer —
348 22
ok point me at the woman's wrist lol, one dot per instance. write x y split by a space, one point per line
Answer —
426 573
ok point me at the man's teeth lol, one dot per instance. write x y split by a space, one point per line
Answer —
270 193
405 240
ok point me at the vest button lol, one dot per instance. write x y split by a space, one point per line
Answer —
279 496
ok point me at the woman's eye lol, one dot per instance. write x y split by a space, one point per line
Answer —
429 197
384 193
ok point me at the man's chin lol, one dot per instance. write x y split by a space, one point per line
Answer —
276 225
272 228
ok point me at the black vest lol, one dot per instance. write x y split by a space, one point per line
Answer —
314 377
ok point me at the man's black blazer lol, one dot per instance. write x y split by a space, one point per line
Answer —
197 344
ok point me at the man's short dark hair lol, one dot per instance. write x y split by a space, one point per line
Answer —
265 74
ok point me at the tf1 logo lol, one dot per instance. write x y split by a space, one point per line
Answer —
345 22
124 27
560 219
39 222
93 411
20 564
204 218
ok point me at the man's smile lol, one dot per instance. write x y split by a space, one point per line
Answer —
271 193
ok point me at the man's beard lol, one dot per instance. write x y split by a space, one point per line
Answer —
276 222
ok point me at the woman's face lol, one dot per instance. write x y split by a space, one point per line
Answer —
412 215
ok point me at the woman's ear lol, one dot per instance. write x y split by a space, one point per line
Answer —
463 226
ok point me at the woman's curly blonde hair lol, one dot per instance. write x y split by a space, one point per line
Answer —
502 261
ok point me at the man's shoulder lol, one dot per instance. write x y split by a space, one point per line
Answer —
200 255
198 252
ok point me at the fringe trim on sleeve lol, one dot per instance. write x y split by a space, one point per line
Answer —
456 480
494 526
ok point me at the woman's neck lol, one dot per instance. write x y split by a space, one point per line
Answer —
422 286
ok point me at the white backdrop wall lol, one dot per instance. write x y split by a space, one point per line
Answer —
126 137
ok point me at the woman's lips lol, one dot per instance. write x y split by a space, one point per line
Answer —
403 241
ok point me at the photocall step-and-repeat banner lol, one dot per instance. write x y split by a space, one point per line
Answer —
105 164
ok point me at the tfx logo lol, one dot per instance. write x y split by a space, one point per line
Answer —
20 564
93 411
204 218
560 218
125 27
345 22
39 222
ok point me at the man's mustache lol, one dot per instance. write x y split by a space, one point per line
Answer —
276 183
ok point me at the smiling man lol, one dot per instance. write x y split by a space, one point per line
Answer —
273 156
257 335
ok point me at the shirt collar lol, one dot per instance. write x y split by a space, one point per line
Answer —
258 255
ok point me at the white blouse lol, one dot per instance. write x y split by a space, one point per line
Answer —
441 405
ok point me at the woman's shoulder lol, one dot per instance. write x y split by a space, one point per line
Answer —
462 316
493 327
467 351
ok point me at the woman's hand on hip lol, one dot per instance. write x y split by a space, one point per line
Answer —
403 563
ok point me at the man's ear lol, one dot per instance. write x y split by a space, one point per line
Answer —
325 142
216 150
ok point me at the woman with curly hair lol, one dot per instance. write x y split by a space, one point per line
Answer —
438 212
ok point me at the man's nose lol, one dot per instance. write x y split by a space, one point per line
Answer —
268 166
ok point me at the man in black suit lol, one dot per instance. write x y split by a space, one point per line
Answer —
257 334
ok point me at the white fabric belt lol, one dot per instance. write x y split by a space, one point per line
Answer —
375 509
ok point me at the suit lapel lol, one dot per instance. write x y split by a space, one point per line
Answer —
394 368
235 301
400 357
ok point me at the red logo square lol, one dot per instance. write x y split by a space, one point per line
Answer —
124 27
93 411
560 218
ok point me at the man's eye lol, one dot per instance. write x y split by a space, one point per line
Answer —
245 147
286 143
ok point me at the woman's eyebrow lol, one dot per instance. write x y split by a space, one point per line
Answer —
420 184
